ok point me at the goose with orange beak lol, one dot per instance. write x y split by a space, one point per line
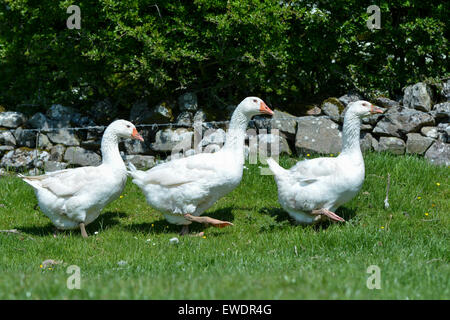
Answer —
313 189
73 198
182 189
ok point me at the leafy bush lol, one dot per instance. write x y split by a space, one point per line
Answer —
283 51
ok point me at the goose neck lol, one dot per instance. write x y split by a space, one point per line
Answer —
110 150
236 132
351 132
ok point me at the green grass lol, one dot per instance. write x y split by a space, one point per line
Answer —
264 256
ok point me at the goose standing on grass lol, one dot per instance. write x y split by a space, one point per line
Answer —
314 189
182 189
73 198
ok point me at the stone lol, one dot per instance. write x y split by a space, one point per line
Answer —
189 152
441 111
391 144
439 153
444 132
211 148
317 134
284 122
7 138
446 89
57 153
81 157
78 120
184 119
141 162
266 145
366 141
366 127
44 142
370 120
24 159
386 102
314 111
60 112
141 114
12 119
430 132
260 122
92 145
50 166
417 144
40 121
350 97
399 122
418 96
331 110
375 144
25 137
213 136
169 140
136 147
63 136
103 112
5 149
188 102
199 116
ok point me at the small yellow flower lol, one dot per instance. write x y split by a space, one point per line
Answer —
418 198
121 197
438 184
153 225
204 237
308 155
331 155
382 227
426 213
41 266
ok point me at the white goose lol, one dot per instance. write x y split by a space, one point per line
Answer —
315 188
182 189
73 198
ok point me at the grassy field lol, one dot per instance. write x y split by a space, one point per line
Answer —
264 256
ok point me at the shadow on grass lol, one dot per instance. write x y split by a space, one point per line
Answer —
279 214
103 222
162 226
282 218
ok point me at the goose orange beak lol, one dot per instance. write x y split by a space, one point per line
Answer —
135 135
375 109
264 109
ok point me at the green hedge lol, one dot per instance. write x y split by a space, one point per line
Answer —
283 51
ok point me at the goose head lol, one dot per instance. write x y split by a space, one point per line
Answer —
363 108
124 129
252 106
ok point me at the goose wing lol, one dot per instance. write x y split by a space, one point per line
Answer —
65 183
182 171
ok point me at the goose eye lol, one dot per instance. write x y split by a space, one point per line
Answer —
128 126
254 100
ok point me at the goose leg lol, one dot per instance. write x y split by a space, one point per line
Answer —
83 230
208 220
55 232
184 230
333 216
